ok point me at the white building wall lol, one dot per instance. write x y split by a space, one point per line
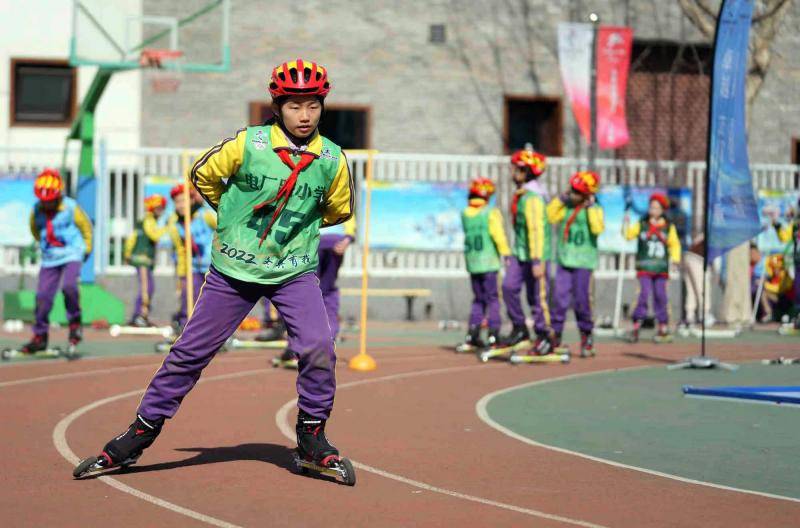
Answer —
41 29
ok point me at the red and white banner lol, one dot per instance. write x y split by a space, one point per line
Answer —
575 62
613 62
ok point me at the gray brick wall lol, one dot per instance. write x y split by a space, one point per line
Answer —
445 98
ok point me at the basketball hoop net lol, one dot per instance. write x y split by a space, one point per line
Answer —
162 80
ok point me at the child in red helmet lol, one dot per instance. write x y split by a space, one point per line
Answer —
485 245
64 233
273 187
140 252
657 246
579 221
530 262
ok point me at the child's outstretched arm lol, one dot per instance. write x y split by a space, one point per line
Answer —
220 161
497 232
632 231
534 221
34 231
151 229
85 227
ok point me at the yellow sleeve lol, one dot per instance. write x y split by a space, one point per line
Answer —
674 245
151 228
633 231
556 210
130 243
85 227
339 201
211 219
594 215
177 243
534 220
220 161
34 231
784 232
497 232
350 227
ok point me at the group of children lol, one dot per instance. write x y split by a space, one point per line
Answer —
140 250
575 220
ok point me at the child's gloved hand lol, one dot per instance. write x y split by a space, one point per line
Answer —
538 269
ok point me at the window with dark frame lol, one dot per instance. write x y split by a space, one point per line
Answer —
536 120
42 92
347 126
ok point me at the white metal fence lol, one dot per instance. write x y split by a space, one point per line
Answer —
124 172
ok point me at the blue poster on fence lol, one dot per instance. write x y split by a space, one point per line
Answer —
732 211
417 215
16 206
619 200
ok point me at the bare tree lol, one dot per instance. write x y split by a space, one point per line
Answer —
767 20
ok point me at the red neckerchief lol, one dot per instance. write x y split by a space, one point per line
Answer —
51 233
286 189
570 220
515 203
656 229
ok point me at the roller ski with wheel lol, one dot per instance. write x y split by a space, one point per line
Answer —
315 453
122 451
287 360
587 345
485 355
553 357
781 361
38 347
244 343
790 329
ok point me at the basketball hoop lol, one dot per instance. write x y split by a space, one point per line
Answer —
162 80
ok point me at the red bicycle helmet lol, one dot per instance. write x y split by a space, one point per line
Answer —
482 188
532 160
299 77
585 182
48 185
660 198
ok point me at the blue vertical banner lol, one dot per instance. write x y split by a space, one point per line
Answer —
732 211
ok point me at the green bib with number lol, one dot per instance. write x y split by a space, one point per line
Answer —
291 247
480 253
144 250
522 248
651 251
579 248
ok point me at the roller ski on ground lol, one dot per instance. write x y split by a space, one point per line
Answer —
122 451
495 347
287 360
472 342
790 329
38 347
662 335
277 332
633 335
315 453
546 349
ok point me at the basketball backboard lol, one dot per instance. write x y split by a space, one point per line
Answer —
113 33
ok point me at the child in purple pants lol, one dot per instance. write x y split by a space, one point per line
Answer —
140 252
64 233
579 221
273 186
657 245
484 245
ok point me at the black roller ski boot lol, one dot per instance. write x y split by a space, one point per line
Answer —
287 360
37 344
544 343
276 332
124 450
315 453
493 339
472 341
587 345
518 335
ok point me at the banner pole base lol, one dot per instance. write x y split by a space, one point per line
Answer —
702 362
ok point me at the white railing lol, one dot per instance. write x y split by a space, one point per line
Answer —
126 171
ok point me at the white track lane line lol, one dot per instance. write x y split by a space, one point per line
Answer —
60 441
281 420
480 409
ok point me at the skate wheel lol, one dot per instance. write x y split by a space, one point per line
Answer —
348 472
5 355
84 467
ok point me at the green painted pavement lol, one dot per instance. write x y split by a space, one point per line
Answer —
641 418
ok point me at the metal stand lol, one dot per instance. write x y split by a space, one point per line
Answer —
702 362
